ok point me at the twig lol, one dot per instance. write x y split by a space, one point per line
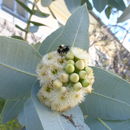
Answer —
70 119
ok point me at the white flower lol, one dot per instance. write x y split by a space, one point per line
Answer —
60 88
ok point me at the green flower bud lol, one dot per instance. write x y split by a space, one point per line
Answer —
70 62
85 83
80 64
69 68
64 77
70 56
74 77
57 84
88 70
63 89
82 74
77 86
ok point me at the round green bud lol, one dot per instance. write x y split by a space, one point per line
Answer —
57 84
63 89
69 68
80 64
74 77
85 83
77 86
70 55
70 62
64 77
83 74
88 70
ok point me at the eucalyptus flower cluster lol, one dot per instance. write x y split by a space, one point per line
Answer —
65 78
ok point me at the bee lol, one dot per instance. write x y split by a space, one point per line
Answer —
62 49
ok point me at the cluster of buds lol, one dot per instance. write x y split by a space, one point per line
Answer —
65 78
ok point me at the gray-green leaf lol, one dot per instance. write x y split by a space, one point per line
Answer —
72 4
125 15
99 124
45 118
46 2
18 62
74 33
110 99
100 4
11 109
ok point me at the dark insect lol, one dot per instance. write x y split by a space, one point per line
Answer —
62 49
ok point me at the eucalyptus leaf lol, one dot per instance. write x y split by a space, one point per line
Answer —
18 62
24 6
72 4
99 124
46 2
44 118
50 41
125 15
37 23
39 13
100 4
89 5
21 118
110 98
17 26
11 109
119 4
74 33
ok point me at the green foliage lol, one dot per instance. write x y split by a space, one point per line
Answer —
18 62
43 117
46 2
25 6
99 124
100 4
1 104
125 15
11 109
11 125
74 33
110 98
108 11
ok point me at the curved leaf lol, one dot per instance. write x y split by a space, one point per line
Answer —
99 124
125 15
119 4
110 99
18 62
72 4
99 4
11 109
44 118
50 41
46 2
74 33
21 118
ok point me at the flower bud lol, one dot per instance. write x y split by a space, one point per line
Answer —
85 83
74 77
82 74
70 62
64 77
69 68
57 84
88 70
77 86
70 56
80 64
